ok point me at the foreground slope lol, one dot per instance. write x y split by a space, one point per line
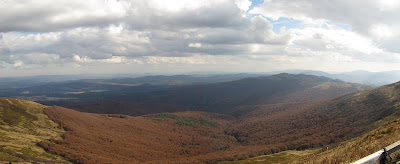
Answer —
340 118
357 148
343 152
22 125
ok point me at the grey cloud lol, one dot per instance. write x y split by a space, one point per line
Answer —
97 43
146 31
218 29
45 16
222 14
391 45
217 40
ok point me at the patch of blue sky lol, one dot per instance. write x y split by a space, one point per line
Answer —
289 23
18 34
255 3
344 26
30 33
325 25
277 24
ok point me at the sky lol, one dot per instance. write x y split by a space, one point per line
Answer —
55 37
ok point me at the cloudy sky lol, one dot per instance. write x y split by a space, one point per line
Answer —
183 36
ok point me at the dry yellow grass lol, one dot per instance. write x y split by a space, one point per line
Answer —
362 146
278 158
22 125
346 152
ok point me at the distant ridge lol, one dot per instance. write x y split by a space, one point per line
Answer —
248 91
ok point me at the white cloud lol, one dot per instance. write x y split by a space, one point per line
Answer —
47 15
381 31
195 45
83 59
334 39
115 60
388 4
243 4
18 64
174 5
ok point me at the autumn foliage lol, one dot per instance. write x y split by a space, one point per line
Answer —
94 138
201 137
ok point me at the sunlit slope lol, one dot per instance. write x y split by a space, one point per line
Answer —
362 146
344 152
372 117
22 125
364 108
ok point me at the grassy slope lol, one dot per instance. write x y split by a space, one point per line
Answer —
281 157
378 109
345 152
22 125
362 146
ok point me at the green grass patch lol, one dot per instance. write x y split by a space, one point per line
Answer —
288 156
184 121
5 157
13 115
164 115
